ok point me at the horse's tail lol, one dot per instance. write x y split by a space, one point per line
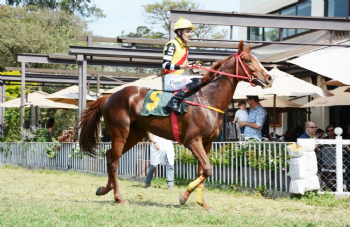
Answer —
89 123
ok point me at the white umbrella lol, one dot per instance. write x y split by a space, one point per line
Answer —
152 82
284 84
38 99
70 95
335 83
32 97
280 103
329 62
49 104
340 98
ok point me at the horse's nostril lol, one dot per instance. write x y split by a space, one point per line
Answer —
269 79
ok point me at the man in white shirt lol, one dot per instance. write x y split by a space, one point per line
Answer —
162 152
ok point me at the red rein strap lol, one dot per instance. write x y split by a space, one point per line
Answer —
238 59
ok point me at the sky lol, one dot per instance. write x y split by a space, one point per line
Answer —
127 14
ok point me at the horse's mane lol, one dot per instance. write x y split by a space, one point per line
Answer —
217 66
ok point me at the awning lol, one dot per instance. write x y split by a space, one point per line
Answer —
340 98
152 82
332 62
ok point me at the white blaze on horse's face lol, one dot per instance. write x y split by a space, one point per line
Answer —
260 75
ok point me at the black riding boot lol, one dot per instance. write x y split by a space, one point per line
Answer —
175 101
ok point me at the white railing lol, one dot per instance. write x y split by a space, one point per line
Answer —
253 164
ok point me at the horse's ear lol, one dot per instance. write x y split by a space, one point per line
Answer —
240 46
250 46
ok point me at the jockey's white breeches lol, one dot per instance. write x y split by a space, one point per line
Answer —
174 82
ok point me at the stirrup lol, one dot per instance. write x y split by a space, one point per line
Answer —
176 110
171 104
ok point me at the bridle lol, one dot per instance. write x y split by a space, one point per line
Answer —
238 61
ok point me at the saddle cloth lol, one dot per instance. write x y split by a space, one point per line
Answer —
156 101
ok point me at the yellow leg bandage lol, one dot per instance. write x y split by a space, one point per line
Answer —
194 184
200 194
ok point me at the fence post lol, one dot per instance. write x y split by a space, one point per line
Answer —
339 159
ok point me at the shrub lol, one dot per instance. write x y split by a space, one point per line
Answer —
68 135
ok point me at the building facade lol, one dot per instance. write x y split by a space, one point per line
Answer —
322 116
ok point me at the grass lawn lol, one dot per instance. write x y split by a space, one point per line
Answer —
52 198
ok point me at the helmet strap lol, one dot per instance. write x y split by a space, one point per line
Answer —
181 35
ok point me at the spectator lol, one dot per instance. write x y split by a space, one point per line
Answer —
105 136
241 114
256 119
288 136
319 133
348 137
278 138
49 126
162 152
330 132
232 133
310 130
297 132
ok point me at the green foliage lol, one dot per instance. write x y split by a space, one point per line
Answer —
13 91
12 124
32 30
159 14
76 152
271 34
52 149
82 8
315 199
245 155
34 134
144 32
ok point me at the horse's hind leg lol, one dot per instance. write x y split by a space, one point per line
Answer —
109 187
119 148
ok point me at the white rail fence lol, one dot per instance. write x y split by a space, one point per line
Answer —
253 164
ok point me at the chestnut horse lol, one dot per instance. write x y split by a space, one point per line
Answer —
198 128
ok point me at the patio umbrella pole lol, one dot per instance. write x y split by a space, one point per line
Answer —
274 118
309 109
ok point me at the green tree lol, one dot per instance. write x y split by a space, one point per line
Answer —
159 14
32 30
144 32
84 8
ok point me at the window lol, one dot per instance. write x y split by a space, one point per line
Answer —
292 12
272 34
256 34
304 9
278 119
338 8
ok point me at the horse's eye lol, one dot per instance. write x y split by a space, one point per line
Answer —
248 61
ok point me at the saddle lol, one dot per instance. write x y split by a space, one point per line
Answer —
156 101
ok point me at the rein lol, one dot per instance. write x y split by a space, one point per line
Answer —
238 59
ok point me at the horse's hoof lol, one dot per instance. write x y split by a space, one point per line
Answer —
99 191
125 203
182 199
211 210
122 202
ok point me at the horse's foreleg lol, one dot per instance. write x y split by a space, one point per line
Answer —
204 171
200 199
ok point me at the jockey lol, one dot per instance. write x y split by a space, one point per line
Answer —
174 65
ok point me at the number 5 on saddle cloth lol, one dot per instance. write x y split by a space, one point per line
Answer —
156 101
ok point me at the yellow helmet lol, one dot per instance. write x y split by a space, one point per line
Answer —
183 23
